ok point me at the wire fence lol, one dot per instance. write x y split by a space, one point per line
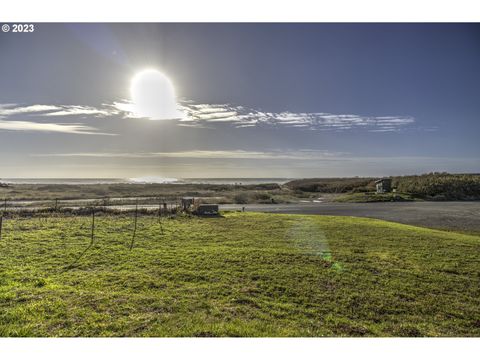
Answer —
160 204
163 210
161 207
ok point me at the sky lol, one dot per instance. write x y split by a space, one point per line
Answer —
251 100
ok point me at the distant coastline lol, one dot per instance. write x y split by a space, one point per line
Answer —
141 180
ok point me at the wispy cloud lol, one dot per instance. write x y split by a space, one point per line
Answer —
210 115
9 114
214 154
14 109
241 117
80 110
199 115
16 125
53 110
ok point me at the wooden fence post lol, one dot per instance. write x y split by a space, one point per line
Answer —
159 210
93 226
1 223
135 225
160 215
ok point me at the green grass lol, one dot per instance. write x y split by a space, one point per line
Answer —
243 274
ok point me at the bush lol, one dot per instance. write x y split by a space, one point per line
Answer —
440 186
262 196
333 185
433 186
241 198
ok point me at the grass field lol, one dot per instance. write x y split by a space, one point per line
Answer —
243 274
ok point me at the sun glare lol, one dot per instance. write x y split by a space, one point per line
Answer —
153 96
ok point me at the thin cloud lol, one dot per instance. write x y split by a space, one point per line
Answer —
79 110
7 110
196 125
200 115
10 112
14 109
15 125
214 154
241 117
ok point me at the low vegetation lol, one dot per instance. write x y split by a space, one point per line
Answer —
374 197
440 186
242 274
224 193
433 186
332 185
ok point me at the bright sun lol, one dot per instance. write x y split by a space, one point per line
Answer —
153 96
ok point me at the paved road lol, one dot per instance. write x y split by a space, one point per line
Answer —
454 215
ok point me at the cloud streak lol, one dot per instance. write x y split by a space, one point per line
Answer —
9 121
7 110
211 115
241 117
306 154
14 109
80 110
16 125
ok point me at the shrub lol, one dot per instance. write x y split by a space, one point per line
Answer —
241 198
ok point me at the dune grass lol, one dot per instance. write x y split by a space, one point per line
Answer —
243 274
374 197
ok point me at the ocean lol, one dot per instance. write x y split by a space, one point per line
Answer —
142 180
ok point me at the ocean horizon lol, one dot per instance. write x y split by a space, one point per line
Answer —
141 180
